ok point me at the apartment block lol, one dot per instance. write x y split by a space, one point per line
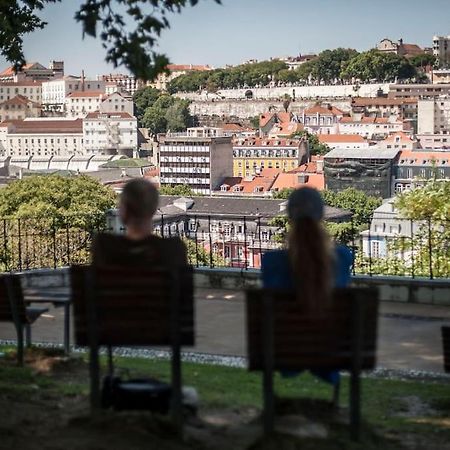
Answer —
26 88
201 163
110 133
441 49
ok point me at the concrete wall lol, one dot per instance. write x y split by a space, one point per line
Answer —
397 289
244 109
304 92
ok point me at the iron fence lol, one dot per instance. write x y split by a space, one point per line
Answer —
384 245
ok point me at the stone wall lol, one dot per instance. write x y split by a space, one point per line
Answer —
298 92
243 109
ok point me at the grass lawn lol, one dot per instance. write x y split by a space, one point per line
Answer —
46 399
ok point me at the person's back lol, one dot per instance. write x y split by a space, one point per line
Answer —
310 266
139 247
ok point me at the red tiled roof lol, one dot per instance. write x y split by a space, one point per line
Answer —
367 120
20 100
113 115
286 128
10 70
417 157
403 137
44 126
265 118
254 184
237 127
317 109
284 117
376 101
337 138
85 94
290 180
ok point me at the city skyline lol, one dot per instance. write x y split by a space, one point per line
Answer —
236 31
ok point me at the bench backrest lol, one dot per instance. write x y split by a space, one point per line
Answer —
11 295
132 306
308 340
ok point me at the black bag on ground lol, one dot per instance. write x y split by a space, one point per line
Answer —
145 394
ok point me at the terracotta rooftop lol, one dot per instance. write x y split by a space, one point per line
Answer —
20 100
423 157
10 70
180 67
265 118
400 134
318 109
376 101
265 142
113 115
291 180
286 128
79 94
44 126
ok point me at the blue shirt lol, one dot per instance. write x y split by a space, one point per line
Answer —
277 272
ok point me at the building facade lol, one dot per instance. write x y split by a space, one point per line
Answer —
441 49
18 108
41 137
251 156
434 116
368 171
110 133
370 127
202 163
30 89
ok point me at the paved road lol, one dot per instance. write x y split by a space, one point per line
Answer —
409 335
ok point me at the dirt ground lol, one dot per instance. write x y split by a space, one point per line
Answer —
57 417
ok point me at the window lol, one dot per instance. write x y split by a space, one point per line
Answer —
375 248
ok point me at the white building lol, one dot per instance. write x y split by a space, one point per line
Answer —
441 49
26 88
117 82
41 137
434 116
54 92
110 133
369 127
353 141
80 103
117 102
202 163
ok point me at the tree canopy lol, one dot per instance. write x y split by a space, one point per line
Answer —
315 146
108 19
167 113
143 99
56 198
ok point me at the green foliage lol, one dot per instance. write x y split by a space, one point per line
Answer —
54 197
423 60
167 113
249 75
315 146
143 99
432 201
198 255
361 205
106 19
328 66
183 190
379 66
254 122
283 194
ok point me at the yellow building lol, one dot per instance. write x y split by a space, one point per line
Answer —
252 155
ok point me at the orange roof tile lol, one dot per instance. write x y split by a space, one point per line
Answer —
417 157
284 117
79 94
286 128
112 115
44 126
376 101
318 109
403 137
290 180
265 118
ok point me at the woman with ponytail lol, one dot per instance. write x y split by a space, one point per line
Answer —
311 265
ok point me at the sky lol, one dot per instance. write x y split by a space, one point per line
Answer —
239 30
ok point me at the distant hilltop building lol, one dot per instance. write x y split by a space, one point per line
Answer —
174 71
441 49
399 48
34 72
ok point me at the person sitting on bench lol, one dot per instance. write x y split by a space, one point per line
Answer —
139 246
310 265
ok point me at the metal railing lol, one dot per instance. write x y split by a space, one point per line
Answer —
383 246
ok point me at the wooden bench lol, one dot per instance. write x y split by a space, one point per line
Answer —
446 346
13 309
116 306
283 335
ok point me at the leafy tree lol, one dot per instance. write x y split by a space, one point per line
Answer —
55 198
374 64
315 146
423 60
254 122
167 113
104 18
143 99
183 190
328 65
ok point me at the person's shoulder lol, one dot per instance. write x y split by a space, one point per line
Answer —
273 257
175 248
344 254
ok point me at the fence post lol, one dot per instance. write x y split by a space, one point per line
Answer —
354 247
5 245
211 261
196 241
245 243
54 244
430 248
370 250
413 272
19 232
68 242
